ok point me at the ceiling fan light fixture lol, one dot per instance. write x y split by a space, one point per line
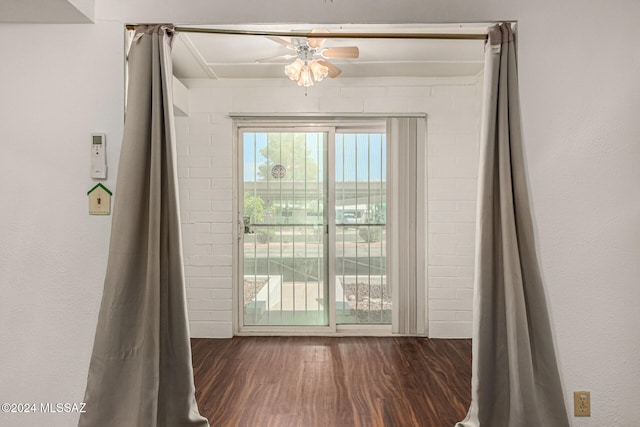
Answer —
311 64
305 72
319 71
305 77
294 69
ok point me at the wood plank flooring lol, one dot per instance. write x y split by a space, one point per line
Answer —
332 381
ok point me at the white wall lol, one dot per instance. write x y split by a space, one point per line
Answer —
47 11
205 159
58 84
580 87
579 81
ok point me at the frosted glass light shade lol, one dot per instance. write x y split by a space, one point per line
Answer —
293 70
319 71
304 72
305 77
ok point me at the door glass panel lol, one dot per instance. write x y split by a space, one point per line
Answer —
363 295
284 213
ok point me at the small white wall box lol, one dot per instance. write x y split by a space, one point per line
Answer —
98 156
99 200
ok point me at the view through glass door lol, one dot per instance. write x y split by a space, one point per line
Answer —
313 209
284 216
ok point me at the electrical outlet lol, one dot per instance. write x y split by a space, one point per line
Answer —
582 403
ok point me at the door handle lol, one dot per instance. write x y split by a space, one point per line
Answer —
247 225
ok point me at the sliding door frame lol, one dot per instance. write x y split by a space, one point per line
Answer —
329 264
300 123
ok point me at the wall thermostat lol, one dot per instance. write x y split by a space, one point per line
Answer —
98 155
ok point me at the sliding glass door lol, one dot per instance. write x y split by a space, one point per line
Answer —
284 219
363 295
312 209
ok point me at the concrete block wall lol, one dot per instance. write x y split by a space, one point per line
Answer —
452 169
205 158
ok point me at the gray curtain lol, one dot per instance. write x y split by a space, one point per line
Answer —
515 380
140 372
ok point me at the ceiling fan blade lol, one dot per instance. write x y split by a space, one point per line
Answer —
316 42
282 42
333 70
313 42
341 52
275 58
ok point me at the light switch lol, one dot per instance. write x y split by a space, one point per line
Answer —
99 200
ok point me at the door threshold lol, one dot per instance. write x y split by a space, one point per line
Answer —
341 331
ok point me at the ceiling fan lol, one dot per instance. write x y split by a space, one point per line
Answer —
310 58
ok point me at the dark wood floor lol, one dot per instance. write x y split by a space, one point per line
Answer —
332 382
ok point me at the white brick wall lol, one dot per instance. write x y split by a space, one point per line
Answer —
452 149
205 176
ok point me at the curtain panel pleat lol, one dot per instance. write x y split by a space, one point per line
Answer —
140 374
515 381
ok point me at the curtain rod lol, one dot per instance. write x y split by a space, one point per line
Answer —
310 35
321 116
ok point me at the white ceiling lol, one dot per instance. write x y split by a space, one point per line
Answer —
219 56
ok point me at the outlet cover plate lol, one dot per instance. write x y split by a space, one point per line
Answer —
582 403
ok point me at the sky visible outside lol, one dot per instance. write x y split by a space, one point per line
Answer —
359 156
